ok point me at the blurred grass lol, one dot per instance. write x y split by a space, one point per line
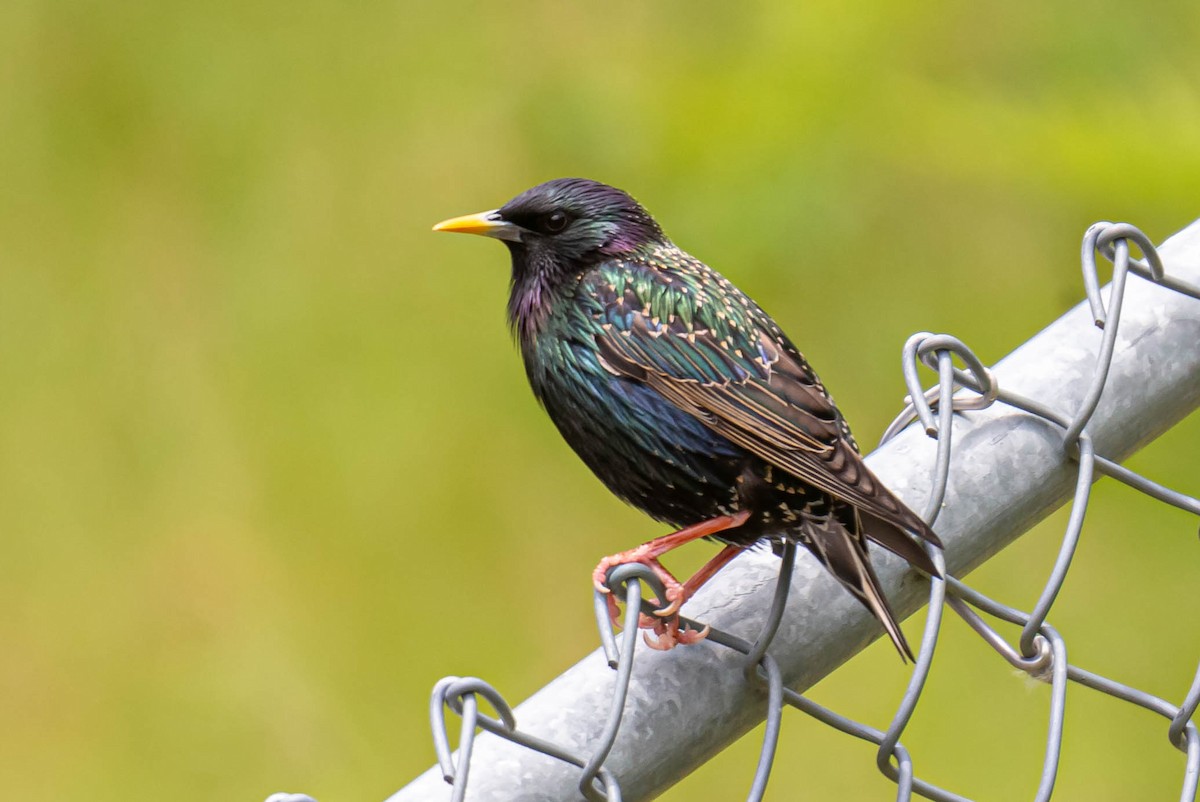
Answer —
268 466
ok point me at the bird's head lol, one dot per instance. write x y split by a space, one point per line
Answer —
556 231
564 225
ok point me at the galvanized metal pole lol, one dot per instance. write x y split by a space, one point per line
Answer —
1008 471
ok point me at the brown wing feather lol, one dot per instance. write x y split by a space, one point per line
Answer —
780 414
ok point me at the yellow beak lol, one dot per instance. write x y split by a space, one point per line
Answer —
487 224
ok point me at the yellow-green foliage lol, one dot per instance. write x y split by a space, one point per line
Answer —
268 466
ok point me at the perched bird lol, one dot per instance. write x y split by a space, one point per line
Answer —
685 398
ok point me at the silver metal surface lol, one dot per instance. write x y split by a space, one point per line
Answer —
1094 386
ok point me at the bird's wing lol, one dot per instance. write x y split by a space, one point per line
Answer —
720 358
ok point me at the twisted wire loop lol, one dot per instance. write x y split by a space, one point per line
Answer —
759 667
1040 651
460 695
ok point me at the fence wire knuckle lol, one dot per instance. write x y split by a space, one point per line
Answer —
1038 650
927 349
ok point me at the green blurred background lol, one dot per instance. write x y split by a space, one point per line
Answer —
268 463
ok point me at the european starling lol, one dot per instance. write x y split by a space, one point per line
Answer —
685 398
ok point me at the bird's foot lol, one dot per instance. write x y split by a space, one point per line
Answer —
643 555
662 634
675 593
670 634
653 621
661 629
648 553
664 620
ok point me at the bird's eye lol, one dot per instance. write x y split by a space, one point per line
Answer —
555 222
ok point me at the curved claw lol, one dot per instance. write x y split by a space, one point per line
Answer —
690 636
600 577
663 643
677 599
670 635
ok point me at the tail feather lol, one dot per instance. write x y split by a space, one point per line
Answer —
844 553
904 518
878 605
896 540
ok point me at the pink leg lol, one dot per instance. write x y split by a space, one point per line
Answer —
689 588
676 593
648 553
667 628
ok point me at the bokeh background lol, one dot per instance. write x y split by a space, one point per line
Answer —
268 463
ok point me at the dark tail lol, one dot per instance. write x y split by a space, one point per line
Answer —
844 553
896 540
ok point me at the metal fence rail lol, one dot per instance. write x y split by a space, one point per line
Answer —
1019 441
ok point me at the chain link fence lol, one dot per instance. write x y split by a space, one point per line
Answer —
630 732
